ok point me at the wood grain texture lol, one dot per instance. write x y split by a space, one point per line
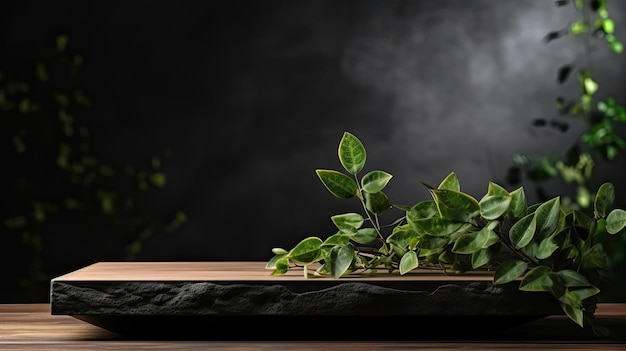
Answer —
31 327
237 271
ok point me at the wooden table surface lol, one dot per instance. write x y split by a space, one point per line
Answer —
32 327
242 271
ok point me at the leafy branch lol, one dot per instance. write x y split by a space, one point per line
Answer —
546 247
594 23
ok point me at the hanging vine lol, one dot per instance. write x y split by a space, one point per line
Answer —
59 183
600 138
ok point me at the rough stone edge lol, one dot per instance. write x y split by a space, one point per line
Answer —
349 299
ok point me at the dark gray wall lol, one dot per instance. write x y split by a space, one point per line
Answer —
253 96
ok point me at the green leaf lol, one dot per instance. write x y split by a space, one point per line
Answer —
492 224
537 279
616 221
518 206
589 86
450 182
547 217
421 210
365 236
398 250
546 248
481 257
484 255
579 4
571 278
584 293
575 313
603 202
323 269
377 202
588 234
496 190
351 153
494 206
455 206
281 266
271 264
578 27
570 299
608 25
279 251
429 242
402 235
472 242
307 251
582 220
563 238
437 226
583 196
340 259
509 270
530 250
522 232
413 242
375 181
532 208
492 237
460 266
447 257
348 222
337 239
430 254
615 44
595 257
408 262
338 183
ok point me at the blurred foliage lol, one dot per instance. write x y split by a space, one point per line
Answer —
599 140
59 183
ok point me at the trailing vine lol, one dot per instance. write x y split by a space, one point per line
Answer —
543 247
599 139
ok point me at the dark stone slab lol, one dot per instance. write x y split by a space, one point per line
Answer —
349 298
195 308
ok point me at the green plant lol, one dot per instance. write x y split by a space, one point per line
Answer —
546 247
599 139
61 185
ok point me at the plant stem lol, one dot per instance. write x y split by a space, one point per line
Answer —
517 252
375 223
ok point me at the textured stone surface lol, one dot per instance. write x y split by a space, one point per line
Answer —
349 298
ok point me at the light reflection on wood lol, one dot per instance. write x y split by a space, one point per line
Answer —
239 271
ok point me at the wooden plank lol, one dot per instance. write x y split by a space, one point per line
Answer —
33 324
31 327
25 308
238 271
611 310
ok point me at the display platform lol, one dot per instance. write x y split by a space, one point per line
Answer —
242 300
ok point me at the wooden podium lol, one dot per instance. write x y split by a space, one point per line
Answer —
243 301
